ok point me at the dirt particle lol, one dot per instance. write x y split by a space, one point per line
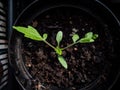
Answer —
34 23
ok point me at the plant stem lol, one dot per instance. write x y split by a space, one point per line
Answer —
69 45
49 44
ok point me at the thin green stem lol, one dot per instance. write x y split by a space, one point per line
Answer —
69 46
49 44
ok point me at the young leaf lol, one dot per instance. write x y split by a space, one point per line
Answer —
29 32
59 37
45 36
86 40
95 36
89 35
75 37
63 62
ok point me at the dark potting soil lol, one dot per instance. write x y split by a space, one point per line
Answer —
86 62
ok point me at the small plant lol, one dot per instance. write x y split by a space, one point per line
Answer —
33 34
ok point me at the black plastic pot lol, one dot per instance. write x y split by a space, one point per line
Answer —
95 8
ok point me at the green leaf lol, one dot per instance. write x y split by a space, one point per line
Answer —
86 40
95 36
63 62
45 36
89 38
75 37
89 35
59 37
29 32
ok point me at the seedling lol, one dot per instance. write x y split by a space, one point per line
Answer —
33 34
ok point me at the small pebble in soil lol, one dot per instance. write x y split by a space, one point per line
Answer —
93 47
70 22
34 23
75 30
91 28
75 49
73 88
83 81
83 29
72 34
86 24
28 64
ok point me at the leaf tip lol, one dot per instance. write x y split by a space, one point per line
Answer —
14 27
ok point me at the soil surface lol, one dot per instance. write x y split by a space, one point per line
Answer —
86 62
